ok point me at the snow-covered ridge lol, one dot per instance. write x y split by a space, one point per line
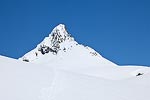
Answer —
62 48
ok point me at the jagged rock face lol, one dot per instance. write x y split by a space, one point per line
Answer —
59 34
53 42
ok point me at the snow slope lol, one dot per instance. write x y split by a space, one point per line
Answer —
27 81
61 69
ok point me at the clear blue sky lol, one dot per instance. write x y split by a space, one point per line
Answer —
118 29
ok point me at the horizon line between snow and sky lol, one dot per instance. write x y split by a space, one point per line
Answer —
118 30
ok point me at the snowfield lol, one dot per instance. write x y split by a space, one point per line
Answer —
61 69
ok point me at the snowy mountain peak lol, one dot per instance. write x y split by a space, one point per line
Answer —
53 43
61 48
59 34
59 28
57 40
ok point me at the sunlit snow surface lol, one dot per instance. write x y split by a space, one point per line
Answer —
75 73
27 81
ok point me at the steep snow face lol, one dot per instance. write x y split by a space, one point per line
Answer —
60 48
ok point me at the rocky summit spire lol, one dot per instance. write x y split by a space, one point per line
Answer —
52 43
59 35
60 30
